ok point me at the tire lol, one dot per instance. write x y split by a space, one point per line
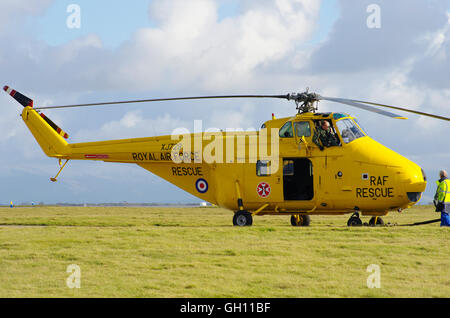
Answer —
304 220
354 221
379 221
242 218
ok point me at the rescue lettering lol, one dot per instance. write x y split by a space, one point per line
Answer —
187 171
377 189
374 192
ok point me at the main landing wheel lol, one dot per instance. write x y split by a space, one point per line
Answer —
242 218
376 220
354 220
300 220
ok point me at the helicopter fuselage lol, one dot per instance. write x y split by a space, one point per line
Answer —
277 170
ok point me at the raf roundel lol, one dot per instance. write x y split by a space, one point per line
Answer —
201 185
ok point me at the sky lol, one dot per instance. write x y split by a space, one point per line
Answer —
161 48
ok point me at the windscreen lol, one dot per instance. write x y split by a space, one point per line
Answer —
349 130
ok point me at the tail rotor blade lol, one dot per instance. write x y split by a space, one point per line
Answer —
22 99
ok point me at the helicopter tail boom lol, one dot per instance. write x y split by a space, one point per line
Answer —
46 133
49 136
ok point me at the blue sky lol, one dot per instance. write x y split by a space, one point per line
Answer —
115 21
201 47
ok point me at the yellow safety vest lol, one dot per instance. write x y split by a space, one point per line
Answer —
442 191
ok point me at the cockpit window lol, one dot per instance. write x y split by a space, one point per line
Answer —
302 128
286 131
361 127
349 130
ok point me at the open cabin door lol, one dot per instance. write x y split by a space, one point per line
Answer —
298 179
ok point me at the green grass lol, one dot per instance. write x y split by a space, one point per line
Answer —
196 252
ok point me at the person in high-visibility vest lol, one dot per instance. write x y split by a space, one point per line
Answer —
442 198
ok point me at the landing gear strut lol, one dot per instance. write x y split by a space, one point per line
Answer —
242 218
300 220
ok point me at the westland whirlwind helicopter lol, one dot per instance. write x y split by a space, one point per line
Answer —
294 173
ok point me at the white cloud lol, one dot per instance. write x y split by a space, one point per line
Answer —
132 125
436 39
12 12
191 47
233 119
9 119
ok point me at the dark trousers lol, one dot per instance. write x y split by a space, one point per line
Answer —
445 219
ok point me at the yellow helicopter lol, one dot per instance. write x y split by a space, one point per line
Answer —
282 169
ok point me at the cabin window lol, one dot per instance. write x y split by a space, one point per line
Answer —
349 130
288 167
263 168
286 131
302 128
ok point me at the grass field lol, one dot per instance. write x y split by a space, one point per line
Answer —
196 252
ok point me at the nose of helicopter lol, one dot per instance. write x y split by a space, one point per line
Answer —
410 179
415 183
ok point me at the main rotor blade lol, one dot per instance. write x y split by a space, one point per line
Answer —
362 106
407 110
163 100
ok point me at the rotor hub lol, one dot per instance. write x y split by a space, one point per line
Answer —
306 102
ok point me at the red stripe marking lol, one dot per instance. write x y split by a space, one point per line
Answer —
13 92
66 136
5 88
96 156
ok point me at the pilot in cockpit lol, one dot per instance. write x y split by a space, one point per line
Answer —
325 134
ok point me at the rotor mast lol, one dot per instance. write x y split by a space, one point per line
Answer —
305 102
